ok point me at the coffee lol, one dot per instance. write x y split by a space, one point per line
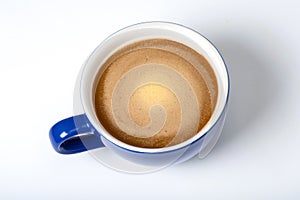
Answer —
155 93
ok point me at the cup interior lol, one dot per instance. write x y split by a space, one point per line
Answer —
151 30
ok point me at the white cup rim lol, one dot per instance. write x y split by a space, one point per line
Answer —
223 86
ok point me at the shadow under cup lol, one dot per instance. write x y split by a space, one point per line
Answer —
91 132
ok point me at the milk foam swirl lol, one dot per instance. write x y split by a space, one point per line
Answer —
155 93
155 74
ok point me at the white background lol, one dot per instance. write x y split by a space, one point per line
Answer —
42 47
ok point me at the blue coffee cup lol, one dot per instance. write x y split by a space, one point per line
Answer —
84 131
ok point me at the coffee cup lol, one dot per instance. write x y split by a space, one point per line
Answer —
153 93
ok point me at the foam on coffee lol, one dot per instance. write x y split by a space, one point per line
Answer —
155 93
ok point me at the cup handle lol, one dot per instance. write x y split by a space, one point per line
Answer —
67 137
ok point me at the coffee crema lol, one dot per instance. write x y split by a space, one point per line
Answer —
155 93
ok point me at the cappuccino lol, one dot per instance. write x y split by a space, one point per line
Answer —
155 93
